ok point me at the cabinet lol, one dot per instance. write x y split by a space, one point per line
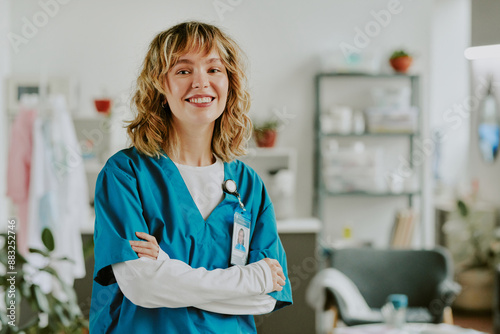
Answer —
298 237
382 161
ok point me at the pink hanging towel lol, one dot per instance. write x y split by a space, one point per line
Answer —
18 171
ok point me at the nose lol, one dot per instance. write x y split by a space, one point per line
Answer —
200 80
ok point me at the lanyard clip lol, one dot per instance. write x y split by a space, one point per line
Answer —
229 186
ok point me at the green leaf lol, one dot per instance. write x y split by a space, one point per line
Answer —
45 330
41 299
88 249
20 260
51 271
64 258
48 239
32 323
60 313
462 208
25 290
399 53
39 251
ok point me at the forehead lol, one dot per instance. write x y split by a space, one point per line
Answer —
199 55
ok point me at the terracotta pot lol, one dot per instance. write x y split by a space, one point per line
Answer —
401 64
102 105
477 290
266 138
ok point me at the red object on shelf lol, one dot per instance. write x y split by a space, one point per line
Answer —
265 138
401 64
102 105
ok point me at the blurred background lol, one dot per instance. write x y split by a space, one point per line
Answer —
363 148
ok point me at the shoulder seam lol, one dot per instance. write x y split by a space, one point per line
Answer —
114 168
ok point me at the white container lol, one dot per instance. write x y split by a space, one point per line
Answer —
353 169
282 190
342 119
394 311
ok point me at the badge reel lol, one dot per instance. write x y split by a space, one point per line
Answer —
241 228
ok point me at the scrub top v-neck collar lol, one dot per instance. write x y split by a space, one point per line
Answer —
183 193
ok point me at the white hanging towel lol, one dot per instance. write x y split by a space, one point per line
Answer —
58 191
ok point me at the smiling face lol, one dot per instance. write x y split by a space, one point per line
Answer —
241 237
197 88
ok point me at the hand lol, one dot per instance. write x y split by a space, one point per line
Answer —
279 279
149 248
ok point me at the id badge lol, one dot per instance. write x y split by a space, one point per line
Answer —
241 237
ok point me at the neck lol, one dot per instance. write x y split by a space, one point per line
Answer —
195 145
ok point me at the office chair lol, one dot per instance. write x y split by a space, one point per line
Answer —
425 276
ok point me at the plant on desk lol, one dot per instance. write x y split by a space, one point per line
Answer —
61 316
476 249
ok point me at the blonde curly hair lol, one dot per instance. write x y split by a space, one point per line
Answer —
152 129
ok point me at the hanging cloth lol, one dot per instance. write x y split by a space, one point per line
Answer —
58 191
18 170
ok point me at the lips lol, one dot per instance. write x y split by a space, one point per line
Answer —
200 99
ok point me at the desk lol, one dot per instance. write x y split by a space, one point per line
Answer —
408 329
299 240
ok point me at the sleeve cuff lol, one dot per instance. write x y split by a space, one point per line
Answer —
162 256
268 276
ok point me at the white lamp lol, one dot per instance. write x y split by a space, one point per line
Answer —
482 52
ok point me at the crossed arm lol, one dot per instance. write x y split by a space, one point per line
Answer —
155 280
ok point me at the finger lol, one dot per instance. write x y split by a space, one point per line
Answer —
153 256
281 282
143 250
281 275
142 244
146 236
147 246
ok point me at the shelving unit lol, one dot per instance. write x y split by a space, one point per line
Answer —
411 138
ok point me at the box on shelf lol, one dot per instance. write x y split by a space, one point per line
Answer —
353 169
392 120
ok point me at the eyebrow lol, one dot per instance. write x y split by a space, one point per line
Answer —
187 61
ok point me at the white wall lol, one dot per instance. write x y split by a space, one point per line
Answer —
4 70
449 85
102 43
485 28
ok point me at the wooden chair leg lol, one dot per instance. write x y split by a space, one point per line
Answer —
335 312
448 315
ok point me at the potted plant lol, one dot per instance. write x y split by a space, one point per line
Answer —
400 61
61 316
475 249
265 133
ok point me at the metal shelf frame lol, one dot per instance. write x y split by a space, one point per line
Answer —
320 192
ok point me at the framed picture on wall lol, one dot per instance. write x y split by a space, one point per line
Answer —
17 86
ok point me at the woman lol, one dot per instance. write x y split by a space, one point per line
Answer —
241 241
166 189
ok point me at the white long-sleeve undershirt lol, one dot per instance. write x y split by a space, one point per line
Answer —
172 283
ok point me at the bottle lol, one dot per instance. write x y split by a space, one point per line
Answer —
358 122
394 311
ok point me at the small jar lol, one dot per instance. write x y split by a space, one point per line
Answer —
394 311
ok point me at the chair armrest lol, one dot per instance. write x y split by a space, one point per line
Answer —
447 291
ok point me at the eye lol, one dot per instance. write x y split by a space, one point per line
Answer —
214 70
182 72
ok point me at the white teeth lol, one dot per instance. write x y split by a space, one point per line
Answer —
201 100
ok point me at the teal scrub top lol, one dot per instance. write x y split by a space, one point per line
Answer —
137 193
